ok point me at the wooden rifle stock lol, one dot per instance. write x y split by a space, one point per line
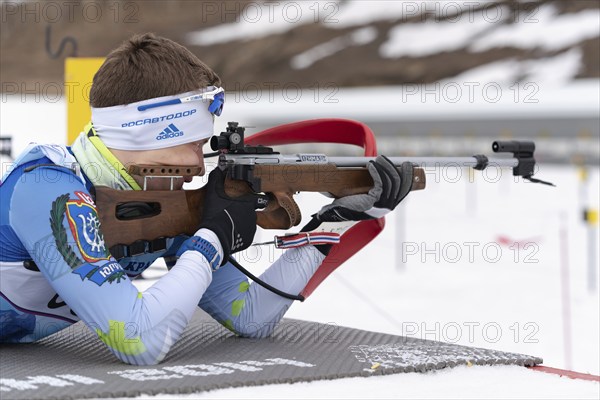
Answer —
128 216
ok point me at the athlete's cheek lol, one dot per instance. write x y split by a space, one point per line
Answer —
182 156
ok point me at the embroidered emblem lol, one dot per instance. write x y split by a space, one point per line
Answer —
85 227
97 264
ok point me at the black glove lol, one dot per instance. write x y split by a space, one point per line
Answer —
390 187
233 220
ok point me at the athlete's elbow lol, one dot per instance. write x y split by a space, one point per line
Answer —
148 357
253 330
150 350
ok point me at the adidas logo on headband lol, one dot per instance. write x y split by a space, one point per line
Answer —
169 132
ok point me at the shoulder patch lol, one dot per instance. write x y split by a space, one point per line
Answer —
84 225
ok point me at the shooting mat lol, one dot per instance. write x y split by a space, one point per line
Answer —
75 364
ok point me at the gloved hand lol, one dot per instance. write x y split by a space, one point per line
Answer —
233 220
390 187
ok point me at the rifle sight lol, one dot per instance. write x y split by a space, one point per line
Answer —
231 140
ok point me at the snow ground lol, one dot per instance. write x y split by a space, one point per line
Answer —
457 383
483 299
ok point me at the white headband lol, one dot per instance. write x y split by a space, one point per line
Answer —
161 122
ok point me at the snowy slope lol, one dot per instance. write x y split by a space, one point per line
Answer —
405 41
308 43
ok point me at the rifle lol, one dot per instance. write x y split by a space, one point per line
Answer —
143 217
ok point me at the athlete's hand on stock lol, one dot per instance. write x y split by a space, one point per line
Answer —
390 187
233 220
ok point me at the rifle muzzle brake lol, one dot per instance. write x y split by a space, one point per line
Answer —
522 151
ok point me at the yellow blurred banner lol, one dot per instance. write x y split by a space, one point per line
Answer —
591 216
79 73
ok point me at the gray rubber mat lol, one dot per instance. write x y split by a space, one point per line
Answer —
75 364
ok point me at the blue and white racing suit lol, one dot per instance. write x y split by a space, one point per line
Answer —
55 270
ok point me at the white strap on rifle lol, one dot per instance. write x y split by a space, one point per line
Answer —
300 239
305 238
326 233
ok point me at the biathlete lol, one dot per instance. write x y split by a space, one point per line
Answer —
153 102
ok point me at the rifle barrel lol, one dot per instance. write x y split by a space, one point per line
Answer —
429 162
